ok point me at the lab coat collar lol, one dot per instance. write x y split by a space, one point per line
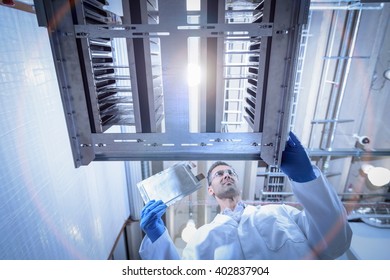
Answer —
225 219
248 211
236 213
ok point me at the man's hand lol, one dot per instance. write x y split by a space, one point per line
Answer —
151 222
295 161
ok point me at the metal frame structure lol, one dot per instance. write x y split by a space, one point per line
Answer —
322 148
154 106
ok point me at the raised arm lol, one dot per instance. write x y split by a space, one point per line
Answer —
324 219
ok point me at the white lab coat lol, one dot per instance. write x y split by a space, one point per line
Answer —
320 231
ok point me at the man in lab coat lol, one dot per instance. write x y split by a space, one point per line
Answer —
240 231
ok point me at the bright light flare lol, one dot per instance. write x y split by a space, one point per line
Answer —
193 75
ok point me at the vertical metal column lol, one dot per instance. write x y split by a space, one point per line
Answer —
174 67
142 62
211 77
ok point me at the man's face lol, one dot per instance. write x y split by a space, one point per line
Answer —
224 182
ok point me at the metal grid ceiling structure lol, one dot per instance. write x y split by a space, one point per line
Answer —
145 92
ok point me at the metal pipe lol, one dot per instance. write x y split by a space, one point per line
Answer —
335 91
348 153
342 87
145 167
19 5
133 176
346 74
325 70
339 194
313 6
345 6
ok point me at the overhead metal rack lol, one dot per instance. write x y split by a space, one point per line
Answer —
137 107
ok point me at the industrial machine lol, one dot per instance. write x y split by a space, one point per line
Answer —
123 78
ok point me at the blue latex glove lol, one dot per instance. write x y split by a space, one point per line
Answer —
295 161
151 222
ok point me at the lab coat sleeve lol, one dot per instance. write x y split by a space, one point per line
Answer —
324 218
161 249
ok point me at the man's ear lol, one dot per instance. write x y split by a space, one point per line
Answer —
210 191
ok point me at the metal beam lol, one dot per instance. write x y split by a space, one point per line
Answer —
212 30
184 146
70 78
174 61
359 153
278 72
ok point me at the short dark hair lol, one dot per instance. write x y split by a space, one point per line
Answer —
215 164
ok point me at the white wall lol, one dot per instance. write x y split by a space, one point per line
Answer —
48 208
